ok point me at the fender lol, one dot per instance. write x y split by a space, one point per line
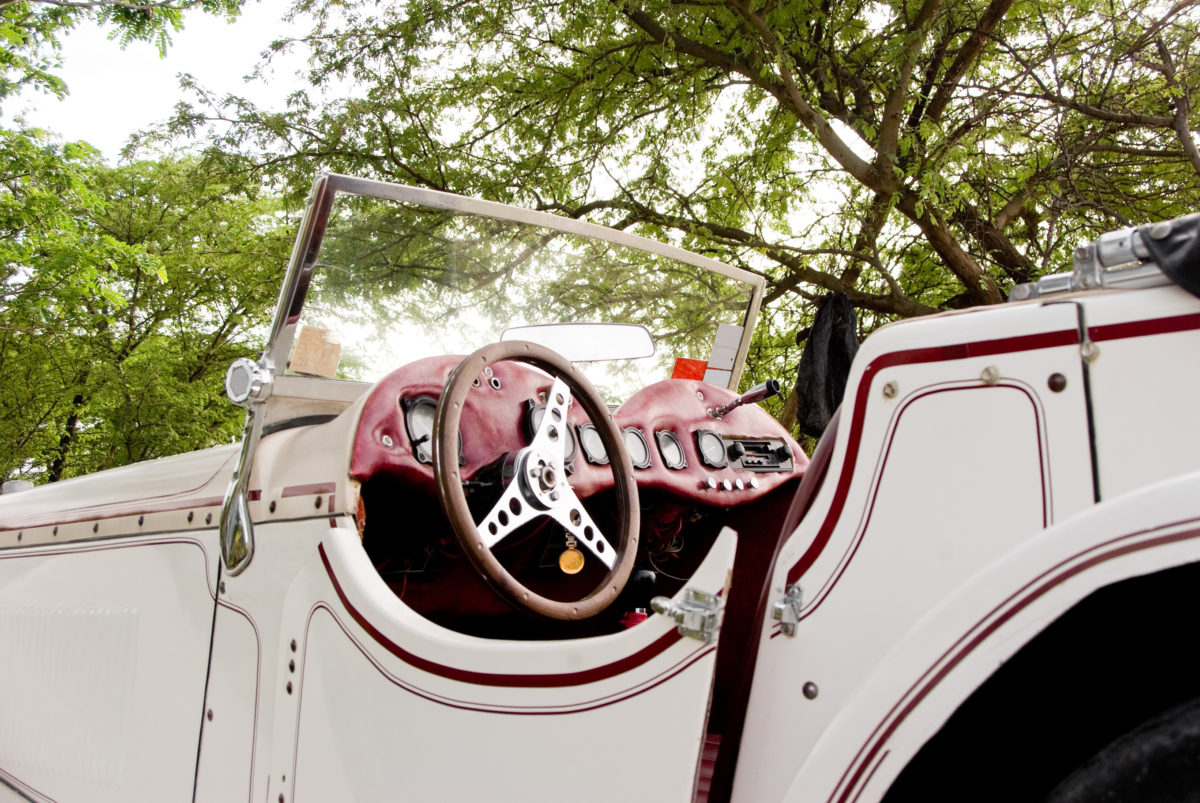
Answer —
960 643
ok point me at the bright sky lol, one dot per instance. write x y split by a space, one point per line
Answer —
115 92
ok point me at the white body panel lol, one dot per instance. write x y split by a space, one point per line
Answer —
105 656
948 510
372 692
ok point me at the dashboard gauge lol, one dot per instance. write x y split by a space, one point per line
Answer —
671 450
418 421
533 420
593 447
419 415
711 448
636 445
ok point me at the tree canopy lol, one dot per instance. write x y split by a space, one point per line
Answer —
913 155
125 294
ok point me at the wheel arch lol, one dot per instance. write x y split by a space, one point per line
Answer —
1113 660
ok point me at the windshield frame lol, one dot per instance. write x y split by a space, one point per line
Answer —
305 256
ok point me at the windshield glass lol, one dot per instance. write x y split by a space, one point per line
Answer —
395 281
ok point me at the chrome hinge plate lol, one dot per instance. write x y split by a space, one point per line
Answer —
787 610
697 615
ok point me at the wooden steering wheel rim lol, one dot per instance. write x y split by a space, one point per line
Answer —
454 502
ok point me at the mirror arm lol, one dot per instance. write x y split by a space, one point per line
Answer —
248 384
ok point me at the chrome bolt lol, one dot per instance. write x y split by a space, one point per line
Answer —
890 390
387 441
990 375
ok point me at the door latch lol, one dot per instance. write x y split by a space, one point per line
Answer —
787 610
697 615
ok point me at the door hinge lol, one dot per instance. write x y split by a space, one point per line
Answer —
787 610
697 615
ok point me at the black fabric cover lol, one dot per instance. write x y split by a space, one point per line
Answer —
825 363
1177 250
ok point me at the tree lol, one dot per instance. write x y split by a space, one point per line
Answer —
118 317
914 155
30 30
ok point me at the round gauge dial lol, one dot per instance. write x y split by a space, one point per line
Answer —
671 449
711 448
593 447
418 420
534 420
419 415
638 448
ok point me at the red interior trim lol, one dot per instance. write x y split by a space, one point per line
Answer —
579 678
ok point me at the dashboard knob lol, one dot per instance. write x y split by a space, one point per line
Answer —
736 450
782 452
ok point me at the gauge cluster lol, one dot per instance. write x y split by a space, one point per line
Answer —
674 443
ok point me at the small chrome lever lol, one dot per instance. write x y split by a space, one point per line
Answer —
755 394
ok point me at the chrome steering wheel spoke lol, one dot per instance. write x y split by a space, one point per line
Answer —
568 512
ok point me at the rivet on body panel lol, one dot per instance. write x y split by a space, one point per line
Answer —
990 375
810 690
890 390
1057 382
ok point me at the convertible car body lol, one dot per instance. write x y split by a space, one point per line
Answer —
464 552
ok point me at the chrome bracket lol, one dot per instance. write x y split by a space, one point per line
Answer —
697 615
787 610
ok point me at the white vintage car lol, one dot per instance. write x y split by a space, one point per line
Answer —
577 565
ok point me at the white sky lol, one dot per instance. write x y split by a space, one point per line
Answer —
115 92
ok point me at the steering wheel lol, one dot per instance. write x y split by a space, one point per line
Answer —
539 485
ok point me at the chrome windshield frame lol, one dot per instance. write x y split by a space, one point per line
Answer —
327 186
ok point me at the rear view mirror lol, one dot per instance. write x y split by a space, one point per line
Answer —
588 342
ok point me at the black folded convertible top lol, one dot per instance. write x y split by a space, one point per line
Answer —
1175 248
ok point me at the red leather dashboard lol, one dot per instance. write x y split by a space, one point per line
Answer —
493 423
